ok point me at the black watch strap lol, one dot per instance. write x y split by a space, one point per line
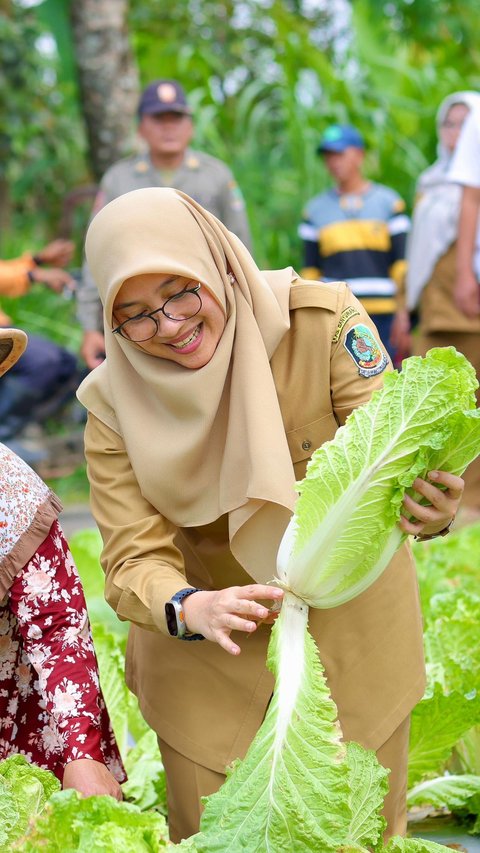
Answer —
174 615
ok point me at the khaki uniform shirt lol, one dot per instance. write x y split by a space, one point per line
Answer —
205 703
204 178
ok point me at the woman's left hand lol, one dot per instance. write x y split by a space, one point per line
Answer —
443 503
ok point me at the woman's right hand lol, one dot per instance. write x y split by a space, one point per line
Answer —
90 777
217 613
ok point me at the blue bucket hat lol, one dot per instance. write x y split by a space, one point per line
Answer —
337 137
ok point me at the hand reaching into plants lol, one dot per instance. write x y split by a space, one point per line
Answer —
217 613
442 504
90 777
54 278
58 253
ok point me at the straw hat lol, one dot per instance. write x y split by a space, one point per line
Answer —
12 344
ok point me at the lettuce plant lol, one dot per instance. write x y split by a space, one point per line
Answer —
69 823
24 790
444 759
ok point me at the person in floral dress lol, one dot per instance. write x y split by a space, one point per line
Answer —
51 706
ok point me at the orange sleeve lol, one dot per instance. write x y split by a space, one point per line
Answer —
14 276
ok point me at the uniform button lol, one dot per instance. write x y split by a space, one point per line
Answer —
306 444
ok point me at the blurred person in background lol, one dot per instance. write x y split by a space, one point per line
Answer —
465 170
432 256
356 231
47 372
166 127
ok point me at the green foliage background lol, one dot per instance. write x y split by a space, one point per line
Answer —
264 78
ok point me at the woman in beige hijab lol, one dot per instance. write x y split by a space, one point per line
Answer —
219 382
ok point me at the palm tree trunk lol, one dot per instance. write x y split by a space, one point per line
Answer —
108 78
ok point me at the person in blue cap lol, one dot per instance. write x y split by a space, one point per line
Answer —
356 231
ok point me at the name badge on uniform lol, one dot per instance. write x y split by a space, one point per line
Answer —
365 350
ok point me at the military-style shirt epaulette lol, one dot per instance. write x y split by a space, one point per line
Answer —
316 294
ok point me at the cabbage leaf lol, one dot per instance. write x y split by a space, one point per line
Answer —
299 787
24 790
344 530
71 823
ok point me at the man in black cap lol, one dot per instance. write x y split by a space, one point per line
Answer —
356 231
166 126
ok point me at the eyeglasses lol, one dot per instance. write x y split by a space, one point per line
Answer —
181 306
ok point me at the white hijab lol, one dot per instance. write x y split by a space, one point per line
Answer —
435 218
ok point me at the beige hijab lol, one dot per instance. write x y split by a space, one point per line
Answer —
208 442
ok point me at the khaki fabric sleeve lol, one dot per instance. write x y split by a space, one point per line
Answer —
349 388
143 567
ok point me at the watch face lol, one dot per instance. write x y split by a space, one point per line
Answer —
171 617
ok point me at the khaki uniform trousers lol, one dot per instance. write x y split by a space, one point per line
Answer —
467 343
187 782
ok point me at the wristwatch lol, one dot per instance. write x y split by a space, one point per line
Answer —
425 538
175 616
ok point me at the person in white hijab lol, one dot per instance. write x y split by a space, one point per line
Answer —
431 268
436 213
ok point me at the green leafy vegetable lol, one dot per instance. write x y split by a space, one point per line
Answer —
86 547
344 531
450 792
24 790
412 845
69 824
294 789
444 759
146 785
299 787
438 722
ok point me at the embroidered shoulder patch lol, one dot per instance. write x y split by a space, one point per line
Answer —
365 350
344 317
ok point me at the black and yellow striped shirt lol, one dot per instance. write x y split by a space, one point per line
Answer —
358 238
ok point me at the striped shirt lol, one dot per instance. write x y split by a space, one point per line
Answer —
359 238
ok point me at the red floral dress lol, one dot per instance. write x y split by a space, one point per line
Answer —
51 706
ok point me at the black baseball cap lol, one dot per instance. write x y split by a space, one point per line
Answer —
163 96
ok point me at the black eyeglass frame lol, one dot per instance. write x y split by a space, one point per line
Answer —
177 296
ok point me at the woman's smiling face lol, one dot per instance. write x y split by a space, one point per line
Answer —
191 342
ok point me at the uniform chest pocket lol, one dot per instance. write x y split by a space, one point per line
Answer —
303 440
